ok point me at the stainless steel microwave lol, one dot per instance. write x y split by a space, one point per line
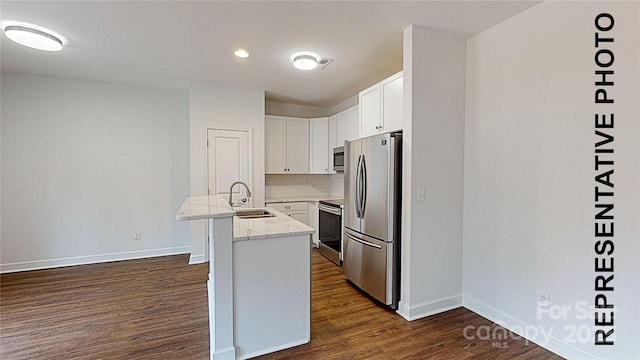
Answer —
338 159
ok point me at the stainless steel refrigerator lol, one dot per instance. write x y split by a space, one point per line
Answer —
372 195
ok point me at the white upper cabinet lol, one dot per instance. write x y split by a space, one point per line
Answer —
305 146
392 95
347 126
275 144
319 146
297 145
381 106
370 111
332 141
342 127
286 145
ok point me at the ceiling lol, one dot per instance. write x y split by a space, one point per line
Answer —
171 43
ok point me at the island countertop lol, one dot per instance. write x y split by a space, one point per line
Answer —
269 227
208 207
204 207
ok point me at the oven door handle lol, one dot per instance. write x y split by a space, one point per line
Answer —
362 241
329 209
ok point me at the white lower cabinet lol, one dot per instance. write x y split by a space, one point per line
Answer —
271 294
296 209
312 215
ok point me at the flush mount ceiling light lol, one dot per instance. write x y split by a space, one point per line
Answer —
305 60
241 53
308 61
33 38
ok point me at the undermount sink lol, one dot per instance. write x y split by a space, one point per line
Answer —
253 214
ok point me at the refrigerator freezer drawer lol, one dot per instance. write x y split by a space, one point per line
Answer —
368 263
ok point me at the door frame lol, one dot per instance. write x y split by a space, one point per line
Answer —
250 175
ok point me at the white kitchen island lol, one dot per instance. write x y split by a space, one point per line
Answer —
259 279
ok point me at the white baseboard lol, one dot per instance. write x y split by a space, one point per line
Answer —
429 308
224 354
545 340
91 259
273 349
197 259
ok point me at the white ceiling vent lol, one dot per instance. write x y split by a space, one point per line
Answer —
323 63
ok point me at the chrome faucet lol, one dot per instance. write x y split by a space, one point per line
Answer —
231 191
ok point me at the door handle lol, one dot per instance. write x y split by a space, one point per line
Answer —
363 242
357 190
364 187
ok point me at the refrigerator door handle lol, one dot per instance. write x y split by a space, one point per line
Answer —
363 186
357 192
363 242
360 186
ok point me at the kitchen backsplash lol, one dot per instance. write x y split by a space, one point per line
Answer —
300 186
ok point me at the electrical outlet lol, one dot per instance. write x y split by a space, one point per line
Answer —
137 235
543 299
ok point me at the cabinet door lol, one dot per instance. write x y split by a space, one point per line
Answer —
347 126
319 146
370 111
392 103
332 141
297 146
275 144
312 216
300 216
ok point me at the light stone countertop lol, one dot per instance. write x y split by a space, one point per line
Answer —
270 227
301 199
206 207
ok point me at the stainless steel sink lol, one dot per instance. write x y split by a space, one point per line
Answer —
253 214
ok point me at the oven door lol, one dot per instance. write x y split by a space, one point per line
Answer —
330 232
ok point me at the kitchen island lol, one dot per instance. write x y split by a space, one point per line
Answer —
259 279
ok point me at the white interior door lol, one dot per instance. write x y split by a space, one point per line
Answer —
228 161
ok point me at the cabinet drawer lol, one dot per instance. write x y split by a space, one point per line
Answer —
289 206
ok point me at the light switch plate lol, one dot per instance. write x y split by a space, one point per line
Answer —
543 299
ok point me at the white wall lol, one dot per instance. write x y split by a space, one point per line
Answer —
222 107
308 111
84 165
295 110
433 141
301 186
529 175
346 104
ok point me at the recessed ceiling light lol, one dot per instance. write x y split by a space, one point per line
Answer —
305 60
33 38
241 53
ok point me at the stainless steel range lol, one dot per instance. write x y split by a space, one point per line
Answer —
330 224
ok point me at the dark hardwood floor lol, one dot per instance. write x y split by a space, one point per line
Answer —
139 309
157 309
